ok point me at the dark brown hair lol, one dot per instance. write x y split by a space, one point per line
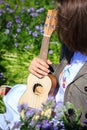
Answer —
72 24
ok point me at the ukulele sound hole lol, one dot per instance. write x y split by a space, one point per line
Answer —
38 89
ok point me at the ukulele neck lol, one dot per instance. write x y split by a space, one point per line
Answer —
44 48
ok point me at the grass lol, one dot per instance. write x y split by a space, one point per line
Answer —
20 41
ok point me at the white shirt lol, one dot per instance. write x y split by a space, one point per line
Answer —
69 73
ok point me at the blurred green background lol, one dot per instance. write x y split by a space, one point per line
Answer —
21 33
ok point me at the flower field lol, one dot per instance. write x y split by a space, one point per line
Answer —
21 33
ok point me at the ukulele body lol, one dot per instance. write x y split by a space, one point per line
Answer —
32 97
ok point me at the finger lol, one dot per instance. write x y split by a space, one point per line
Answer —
42 62
37 74
40 71
39 67
42 67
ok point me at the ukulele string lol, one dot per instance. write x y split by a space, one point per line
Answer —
38 97
47 42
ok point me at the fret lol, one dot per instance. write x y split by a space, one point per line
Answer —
44 48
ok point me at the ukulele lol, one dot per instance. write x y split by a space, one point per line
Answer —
38 89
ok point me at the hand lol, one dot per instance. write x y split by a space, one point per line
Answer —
39 67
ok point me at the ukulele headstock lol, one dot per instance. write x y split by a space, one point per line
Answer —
51 22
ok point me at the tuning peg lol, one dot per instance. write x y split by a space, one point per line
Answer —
48 16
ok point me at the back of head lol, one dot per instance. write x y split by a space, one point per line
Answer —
72 24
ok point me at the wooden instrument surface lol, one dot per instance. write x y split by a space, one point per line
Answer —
38 89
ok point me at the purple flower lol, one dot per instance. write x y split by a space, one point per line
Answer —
1 1
49 103
35 34
37 27
41 27
16 44
29 113
1 75
22 107
17 21
1 11
59 106
38 125
58 109
85 121
31 9
18 30
50 98
19 25
7 31
34 14
17 124
16 17
9 24
16 6
50 51
27 27
45 124
23 9
27 47
7 5
42 32
30 32
40 10
10 10
32 123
